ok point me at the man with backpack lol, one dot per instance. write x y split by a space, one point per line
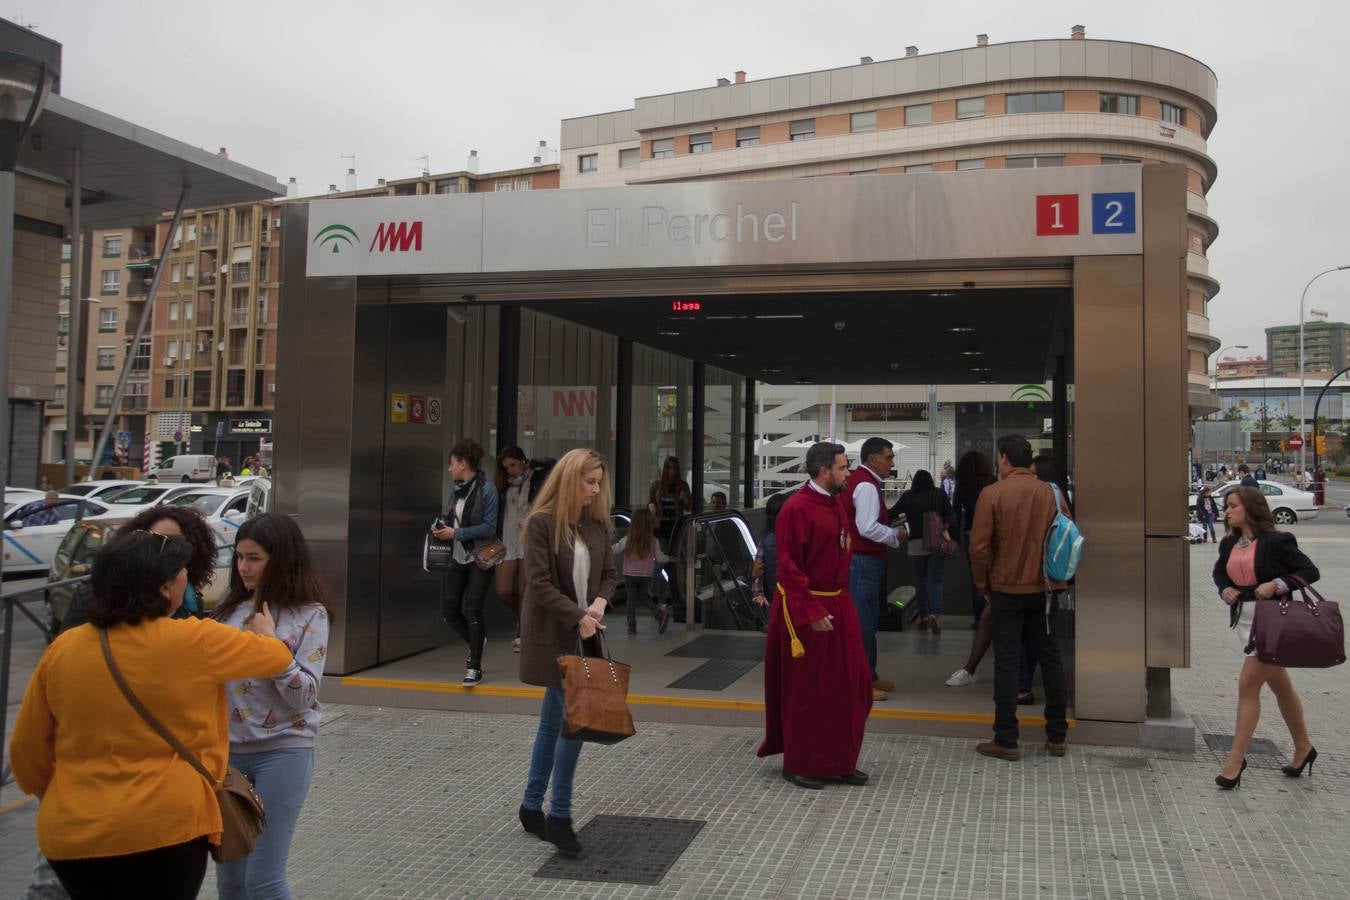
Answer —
1008 565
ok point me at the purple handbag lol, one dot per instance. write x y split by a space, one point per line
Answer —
1298 634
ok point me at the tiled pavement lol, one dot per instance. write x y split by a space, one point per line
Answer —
409 804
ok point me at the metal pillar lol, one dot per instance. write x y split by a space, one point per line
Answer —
74 343
750 437
700 411
508 376
623 423
6 305
147 312
1059 438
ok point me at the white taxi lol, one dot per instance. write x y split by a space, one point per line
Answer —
223 508
35 529
1287 504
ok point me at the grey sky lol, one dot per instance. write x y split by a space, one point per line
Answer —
289 87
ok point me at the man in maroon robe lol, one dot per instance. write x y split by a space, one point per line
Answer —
817 682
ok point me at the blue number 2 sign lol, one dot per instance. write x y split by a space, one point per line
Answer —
1113 213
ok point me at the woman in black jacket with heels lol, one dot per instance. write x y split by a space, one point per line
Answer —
1257 563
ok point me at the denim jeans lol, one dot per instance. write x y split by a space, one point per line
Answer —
554 756
1027 670
928 574
462 595
866 583
639 589
281 778
1015 618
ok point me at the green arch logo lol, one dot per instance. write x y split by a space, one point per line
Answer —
335 236
1032 393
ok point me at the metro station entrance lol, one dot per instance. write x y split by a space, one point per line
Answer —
674 320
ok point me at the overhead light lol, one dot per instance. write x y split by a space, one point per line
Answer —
727 354
979 369
669 333
802 379
723 318
780 316
972 352
986 380
771 370
961 329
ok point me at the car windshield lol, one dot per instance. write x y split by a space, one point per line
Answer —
206 504
136 496
81 489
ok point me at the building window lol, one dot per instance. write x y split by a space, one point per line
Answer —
103 395
168 388
700 143
112 246
1173 114
107 358
189 270
918 168
110 281
1119 161
969 165
61 357
63 323
505 186
522 184
663 149
65 252
176 273
1049 101
234 387
858 123
1122 104
171 350
802 129
629 157
107 320
747 137
588 162
173 310
59 395
1035 162
201 388
192 232
920 114
970 108
448 186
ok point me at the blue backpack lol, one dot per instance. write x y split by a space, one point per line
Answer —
1063 544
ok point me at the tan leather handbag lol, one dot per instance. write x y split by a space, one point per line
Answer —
241 809
595 697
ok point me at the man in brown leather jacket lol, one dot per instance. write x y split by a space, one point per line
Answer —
1007 562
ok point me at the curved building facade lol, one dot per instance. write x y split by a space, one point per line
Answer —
1025 104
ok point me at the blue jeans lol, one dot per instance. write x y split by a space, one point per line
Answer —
554 755
928 574
281 778
866 583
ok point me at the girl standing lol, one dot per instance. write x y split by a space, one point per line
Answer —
641 554
274 721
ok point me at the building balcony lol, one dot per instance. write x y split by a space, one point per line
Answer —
135 402
141 256
207 238
236 358
239 318
139 288
240 273
206 278
65 291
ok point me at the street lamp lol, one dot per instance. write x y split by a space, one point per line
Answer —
1302 417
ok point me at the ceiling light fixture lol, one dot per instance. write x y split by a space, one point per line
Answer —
669 333
783 316
972 352
961 328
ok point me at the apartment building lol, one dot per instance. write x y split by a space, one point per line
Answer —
1245 367
1326 348
1024 104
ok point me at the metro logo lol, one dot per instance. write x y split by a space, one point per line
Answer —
574 403
397 237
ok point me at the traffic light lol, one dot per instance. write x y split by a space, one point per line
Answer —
1321 445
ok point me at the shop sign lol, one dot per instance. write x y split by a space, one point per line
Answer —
251 426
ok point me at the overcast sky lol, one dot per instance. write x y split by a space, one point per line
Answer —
290 87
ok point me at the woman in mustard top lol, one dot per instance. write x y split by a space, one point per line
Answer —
122 815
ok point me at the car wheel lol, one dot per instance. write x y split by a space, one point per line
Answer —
1285 517
1192 517
187 479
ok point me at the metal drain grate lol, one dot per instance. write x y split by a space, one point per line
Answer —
722 646
626 849
714 675
1224 742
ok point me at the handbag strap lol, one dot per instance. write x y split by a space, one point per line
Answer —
158 727
1306 588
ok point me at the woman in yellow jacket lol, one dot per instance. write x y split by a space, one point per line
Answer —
122 815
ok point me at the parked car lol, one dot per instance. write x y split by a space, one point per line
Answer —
187 467
141 496
223 508
31 540
104 488
15 496
1288 505
74 557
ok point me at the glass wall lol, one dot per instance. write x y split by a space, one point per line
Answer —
723 436
662 416
567 387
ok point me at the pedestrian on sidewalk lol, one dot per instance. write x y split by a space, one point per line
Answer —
1257 562
274 721
470 520
1206 513
765 583
121 810
569 580
1007 557
1246 478
914 504
974 473
641 554
871 536
817 687
1047 470
518 480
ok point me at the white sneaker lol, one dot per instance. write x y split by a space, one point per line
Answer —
961 678
515 645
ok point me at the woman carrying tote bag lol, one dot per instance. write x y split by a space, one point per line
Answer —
569 579
1257 563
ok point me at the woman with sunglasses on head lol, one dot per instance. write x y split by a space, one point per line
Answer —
274 721
122 813
1257 563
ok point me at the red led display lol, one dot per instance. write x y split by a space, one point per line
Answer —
685 306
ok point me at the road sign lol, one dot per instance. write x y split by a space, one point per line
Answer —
220 429
178 436
1296 442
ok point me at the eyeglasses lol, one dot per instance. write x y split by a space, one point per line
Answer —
163 539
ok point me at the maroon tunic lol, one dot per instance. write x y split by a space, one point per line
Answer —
816 705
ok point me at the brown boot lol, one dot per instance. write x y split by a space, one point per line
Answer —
879 695
1054 749
923 623
935 625
883 684
998 751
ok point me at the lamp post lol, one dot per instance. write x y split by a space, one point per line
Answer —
1214 379
1303 451
24 85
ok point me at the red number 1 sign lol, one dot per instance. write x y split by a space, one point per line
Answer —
1056 214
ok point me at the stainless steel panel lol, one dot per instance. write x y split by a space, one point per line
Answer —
366 521
291 311
701 109
720 104
1109 426
604 130
1047 59
1167 608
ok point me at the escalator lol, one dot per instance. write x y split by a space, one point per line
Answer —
714 552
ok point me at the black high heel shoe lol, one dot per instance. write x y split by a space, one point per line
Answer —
1228 784
1306 764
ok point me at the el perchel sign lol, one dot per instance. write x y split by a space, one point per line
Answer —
1076 211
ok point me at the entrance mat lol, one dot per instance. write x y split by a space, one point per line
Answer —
722 646
714 675
625 849
1224 742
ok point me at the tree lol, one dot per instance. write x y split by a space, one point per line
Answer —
1289 423
1233 414
1266 421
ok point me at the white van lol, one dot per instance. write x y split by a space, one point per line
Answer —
188 467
